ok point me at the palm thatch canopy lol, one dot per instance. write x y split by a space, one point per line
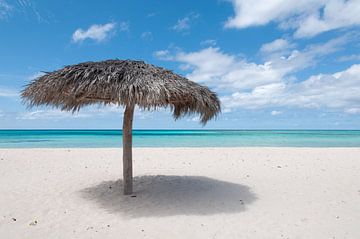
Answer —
121 82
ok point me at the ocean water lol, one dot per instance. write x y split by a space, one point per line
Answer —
179 138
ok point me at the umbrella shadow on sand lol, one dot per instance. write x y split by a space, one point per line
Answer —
167 195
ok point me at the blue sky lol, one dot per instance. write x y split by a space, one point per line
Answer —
275 64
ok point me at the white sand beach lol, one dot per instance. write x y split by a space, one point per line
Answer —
181 193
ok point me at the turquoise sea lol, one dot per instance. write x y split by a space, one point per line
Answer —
179 138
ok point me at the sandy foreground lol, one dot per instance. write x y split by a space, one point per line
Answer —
181 193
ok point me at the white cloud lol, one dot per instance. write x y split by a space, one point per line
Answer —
249 14
50 114
151 14
352 57
101 110
6 92
260 96
339 90
143 114
336 14
94 111
36 75
353 111
163 55
307 17
184 24
57 114
193 119
278 45
95 32
148 36
275 113
208 42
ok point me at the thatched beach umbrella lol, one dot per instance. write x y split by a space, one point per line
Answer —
122 82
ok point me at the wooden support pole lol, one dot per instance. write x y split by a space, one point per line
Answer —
127 149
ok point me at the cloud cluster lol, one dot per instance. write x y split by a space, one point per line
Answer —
245 84
307 17
228 72
96 32
337 91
